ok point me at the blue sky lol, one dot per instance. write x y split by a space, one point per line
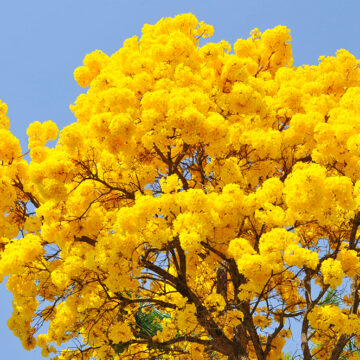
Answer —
42 42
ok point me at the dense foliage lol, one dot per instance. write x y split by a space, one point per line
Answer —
212 195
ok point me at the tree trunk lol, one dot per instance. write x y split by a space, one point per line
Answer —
240 336
221 281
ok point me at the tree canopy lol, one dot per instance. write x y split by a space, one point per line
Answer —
212 191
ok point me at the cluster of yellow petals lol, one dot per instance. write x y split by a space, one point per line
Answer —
186 163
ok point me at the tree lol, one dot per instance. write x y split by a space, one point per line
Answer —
217 191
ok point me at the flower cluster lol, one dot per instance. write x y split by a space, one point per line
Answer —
212 185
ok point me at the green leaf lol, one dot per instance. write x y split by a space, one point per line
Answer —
331 298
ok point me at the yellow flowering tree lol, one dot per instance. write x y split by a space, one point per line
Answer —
218 187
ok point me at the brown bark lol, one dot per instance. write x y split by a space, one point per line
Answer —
221 281
240 337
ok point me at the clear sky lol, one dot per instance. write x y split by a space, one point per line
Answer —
42 42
